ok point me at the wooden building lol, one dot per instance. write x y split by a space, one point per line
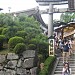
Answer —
67 30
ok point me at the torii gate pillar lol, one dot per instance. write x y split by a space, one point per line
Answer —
50 31
50 22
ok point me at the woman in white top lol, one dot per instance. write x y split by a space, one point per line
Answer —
66 70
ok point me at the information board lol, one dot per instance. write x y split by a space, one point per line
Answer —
51 47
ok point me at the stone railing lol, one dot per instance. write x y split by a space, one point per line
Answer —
12 64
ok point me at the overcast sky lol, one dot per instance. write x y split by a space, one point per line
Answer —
18 5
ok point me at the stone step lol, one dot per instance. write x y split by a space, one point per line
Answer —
68 60
60 64
73 59
60 69
60 72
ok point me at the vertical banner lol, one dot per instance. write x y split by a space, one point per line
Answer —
51 47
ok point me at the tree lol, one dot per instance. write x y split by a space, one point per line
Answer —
9 32
25 27
22 34
67 17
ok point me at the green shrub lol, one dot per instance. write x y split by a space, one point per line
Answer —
5 30
1 30
21 34
31 46
19 48
40 58
14 41
2 38
33 41
48 65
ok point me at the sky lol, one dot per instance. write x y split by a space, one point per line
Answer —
19 5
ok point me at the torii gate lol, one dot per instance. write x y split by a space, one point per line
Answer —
50 12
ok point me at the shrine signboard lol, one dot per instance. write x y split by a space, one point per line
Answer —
51 46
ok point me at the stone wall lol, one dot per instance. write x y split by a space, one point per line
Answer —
12 64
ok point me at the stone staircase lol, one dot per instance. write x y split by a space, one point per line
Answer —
59 66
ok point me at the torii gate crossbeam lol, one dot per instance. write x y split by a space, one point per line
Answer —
62 10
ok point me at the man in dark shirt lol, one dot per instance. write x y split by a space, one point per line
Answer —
65 51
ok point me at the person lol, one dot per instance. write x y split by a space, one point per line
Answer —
70 47
56 43
65 51
66 69
60 44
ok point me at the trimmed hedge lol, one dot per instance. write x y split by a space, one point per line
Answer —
2 39
22 34
31 46
14 41
48 65
1 30
19 48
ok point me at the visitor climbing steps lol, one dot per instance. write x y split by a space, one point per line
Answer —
58 69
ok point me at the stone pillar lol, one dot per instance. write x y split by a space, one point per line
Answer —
50 23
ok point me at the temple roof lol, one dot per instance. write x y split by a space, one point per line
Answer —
68 26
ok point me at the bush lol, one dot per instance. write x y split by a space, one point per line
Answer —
14 41
31 46
48 65
40 58
2 38
1 30
4 31
19 48
22 34
33 41
43 49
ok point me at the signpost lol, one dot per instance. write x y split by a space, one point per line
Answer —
51 46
